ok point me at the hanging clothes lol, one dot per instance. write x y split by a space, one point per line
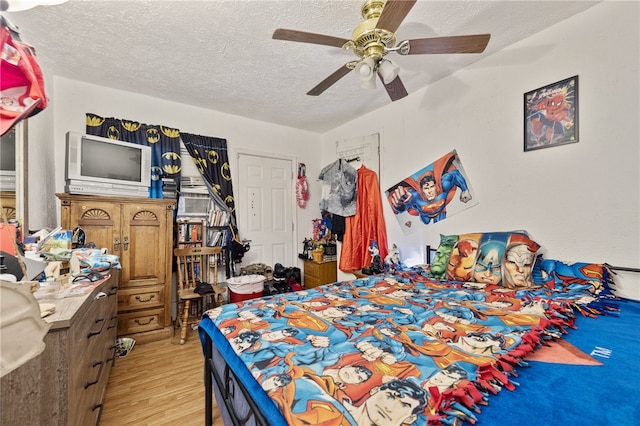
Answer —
337 226
22 84
366 226
339 192
302 186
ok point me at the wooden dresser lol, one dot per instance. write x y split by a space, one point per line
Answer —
66 383
319 273
140 232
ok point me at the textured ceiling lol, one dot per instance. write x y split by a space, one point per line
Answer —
219 54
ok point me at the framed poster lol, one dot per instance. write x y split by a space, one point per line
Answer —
551 115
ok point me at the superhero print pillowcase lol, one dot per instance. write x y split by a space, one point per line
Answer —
503 259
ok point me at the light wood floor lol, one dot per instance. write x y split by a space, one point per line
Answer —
158 384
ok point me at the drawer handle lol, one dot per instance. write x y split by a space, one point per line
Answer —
140 299
113 291
94 333
114 322
95 364
97 407
113 348
145 323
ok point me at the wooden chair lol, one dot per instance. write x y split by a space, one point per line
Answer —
196 265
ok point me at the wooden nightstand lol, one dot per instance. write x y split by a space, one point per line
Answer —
319 273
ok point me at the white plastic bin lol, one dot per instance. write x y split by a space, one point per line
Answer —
245 287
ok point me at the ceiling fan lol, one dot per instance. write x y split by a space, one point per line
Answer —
374 38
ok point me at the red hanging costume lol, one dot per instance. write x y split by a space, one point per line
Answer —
22 84
366 225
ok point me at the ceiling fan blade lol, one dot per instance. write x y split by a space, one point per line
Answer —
452 44
395 89
304 37
329 81
394 13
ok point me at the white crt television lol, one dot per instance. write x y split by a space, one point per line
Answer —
8 161
102 166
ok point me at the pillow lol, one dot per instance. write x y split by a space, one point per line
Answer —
463 257
519 258
438 267
488 267
503 259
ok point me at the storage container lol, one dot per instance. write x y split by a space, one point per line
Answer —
245 287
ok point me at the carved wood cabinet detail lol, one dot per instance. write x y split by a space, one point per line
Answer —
140 232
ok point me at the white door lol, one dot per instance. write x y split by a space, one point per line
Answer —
265 209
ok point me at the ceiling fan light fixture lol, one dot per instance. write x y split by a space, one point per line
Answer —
373 39
365 72
388 71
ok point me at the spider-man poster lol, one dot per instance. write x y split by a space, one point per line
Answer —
431 194
551 115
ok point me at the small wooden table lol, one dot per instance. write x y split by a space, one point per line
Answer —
319 273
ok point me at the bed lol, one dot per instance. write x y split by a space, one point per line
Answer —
429 344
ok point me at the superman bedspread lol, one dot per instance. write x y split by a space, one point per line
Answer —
394 349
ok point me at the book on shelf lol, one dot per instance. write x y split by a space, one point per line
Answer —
217 217
216 237
189 231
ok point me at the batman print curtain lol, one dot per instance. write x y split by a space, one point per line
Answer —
211 158
164 142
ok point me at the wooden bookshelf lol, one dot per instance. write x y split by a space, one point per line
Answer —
190 233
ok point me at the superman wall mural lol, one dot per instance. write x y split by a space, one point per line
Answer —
431 194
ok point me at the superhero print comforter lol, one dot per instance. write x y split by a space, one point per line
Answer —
398 348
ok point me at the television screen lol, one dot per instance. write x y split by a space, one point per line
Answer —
104 160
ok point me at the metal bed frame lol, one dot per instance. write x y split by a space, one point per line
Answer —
227 383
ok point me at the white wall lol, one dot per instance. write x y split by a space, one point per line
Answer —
72 99
580 201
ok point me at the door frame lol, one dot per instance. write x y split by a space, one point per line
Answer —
236 153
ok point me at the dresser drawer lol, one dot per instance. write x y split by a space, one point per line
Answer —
312 269
311 282
140 298
88 393
92 341
140 321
